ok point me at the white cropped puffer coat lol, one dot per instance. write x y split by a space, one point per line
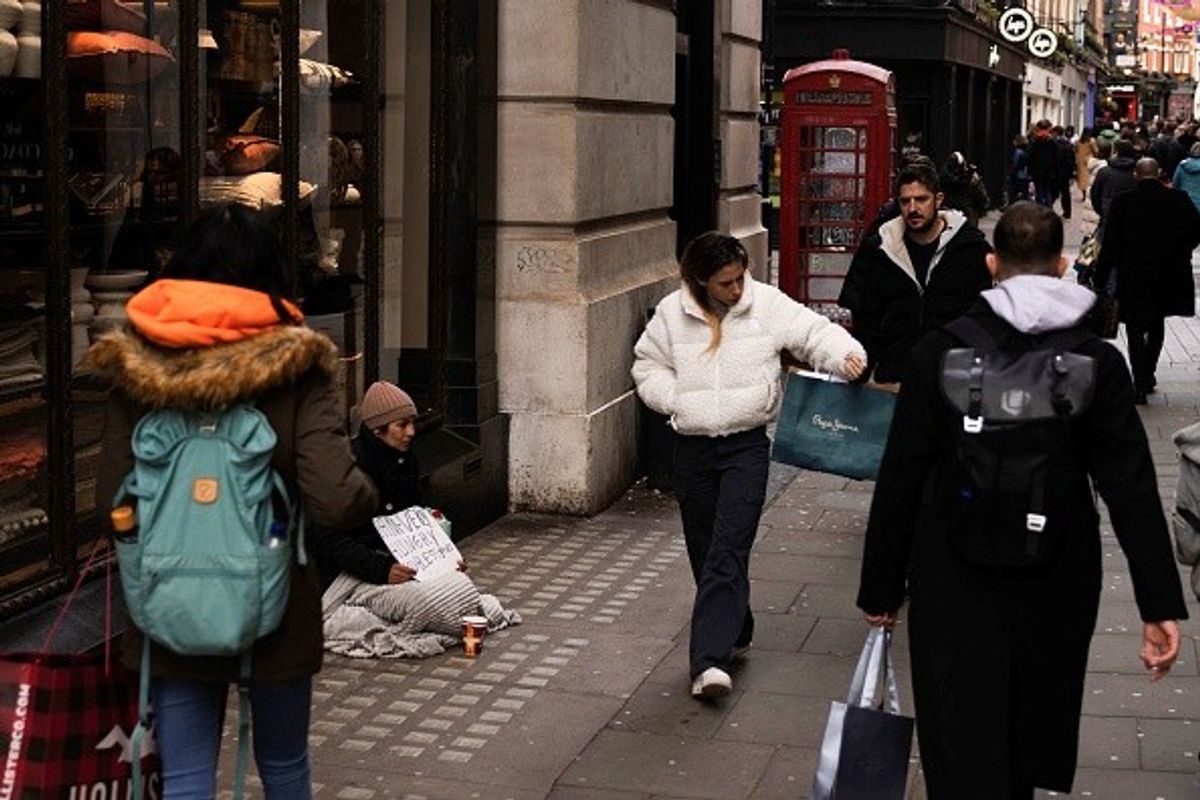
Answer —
737 386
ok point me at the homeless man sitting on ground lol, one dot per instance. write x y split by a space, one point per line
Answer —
372 605
990 526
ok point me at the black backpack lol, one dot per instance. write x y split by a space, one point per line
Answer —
1016 403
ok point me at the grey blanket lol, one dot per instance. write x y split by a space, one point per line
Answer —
404 620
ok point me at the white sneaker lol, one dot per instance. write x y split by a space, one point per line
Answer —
713 682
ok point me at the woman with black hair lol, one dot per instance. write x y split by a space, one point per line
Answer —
216 330
709 360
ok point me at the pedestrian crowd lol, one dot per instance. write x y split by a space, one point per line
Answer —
1001 381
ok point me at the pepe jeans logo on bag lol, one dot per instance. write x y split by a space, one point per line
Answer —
12 759
835 425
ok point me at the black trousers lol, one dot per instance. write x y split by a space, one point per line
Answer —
721 484
1145 346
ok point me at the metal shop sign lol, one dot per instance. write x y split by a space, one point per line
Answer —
1016 25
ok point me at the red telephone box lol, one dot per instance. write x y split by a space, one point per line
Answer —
839 137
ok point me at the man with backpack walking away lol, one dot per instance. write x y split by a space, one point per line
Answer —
983 516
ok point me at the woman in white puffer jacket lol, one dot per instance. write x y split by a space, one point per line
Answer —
709 360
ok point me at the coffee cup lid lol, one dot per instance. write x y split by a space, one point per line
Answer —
474 620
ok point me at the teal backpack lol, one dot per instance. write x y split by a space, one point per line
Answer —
207 572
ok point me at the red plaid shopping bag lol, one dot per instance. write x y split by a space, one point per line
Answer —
65 725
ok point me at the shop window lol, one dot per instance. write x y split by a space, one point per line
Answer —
155 112
405 280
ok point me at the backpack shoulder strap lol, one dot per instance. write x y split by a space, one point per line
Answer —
971 333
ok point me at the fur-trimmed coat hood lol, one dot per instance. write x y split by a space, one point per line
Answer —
212 377
286 372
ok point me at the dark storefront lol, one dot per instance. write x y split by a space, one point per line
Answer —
283 106
958 83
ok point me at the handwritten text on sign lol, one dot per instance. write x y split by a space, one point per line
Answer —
416 539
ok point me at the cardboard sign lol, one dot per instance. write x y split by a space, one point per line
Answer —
417 540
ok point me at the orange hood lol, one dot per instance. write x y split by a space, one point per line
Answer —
181 313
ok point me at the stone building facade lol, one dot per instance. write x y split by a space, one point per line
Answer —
606 133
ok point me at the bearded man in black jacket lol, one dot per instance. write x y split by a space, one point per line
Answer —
920 271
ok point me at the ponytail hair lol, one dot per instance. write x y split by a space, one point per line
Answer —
705 256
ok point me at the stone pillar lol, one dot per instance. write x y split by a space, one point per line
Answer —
739 209
584 244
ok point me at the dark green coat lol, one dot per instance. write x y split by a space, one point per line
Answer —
286 373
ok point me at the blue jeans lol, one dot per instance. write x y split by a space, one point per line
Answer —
189 716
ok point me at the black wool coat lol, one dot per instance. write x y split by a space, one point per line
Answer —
999 655
1148 240
1111 182
890 309
1044 158
361 551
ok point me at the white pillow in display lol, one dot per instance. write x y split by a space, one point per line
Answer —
317 77
256 190
10 14
8 53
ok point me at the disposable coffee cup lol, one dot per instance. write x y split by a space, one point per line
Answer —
474 630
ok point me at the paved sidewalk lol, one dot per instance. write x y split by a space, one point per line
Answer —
589 697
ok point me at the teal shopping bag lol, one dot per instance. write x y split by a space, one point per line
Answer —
829 426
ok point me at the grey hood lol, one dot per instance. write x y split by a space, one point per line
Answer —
1039 303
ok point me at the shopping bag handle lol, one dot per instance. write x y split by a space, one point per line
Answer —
881 660
828 377
100 544
867 669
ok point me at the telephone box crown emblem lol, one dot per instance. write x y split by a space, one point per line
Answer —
835 81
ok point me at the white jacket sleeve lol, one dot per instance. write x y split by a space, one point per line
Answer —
809 336
654 366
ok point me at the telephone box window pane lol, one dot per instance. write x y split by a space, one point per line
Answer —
836 264
839 138
824 288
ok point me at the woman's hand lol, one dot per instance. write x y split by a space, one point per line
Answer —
881 620
401 573
1160 647
853 367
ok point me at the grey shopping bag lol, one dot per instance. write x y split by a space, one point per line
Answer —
865 753
830 426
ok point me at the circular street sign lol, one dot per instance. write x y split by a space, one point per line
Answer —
1016 24
1042 42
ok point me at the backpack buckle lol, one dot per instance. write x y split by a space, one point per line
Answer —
972 424
1035 522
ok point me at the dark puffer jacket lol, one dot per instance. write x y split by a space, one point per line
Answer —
361 551
891 311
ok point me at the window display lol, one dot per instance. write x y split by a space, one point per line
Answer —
169 106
